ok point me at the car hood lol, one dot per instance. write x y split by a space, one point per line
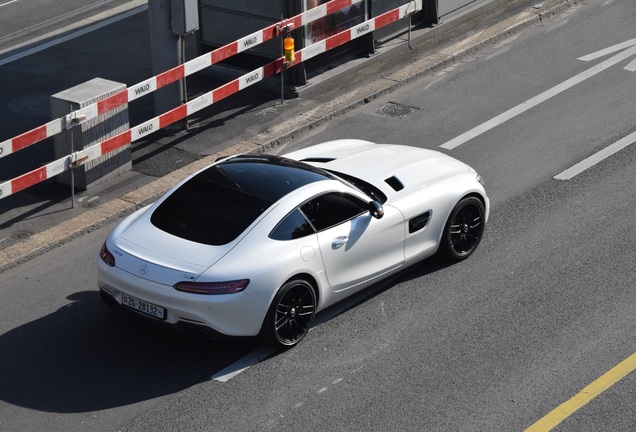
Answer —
380 164
150 253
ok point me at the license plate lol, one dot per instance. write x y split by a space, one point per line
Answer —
143 307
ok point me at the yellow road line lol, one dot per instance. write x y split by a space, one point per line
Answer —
566 409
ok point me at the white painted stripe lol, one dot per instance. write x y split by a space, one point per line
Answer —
89 111
609 50
199 103
531 103
313 14
73 35
197 64
313 50
251 78
362 29
57 167
6 147
411 7
142 88
597 157
145 128
5 189
246 362
93 152
631 66
249 41
9 2
53 127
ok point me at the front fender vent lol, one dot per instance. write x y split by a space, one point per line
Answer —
419 222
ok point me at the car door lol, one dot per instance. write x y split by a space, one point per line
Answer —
355 246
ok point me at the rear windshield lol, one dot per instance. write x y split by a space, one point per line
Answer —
218 204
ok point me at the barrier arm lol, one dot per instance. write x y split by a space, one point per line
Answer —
143 129
172 75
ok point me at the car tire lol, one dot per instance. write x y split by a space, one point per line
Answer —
464 229
290 315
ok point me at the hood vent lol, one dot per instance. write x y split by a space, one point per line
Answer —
394 183
318 160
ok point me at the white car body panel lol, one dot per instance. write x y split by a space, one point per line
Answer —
414 166
349 250
150 261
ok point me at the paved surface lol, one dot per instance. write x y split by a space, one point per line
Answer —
25 25
41 218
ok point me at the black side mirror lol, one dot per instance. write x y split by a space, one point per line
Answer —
376 209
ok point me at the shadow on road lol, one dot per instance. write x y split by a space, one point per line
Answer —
86 357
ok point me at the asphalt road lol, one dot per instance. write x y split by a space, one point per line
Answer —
24 22
544 308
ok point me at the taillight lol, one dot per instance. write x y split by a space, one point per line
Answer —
229 287
106 256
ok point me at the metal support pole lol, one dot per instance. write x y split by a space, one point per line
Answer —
410 15
72 174
282 69
184 88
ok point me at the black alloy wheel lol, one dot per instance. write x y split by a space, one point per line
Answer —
291 314
464 229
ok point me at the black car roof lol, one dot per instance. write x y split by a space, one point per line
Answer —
219 203
266 176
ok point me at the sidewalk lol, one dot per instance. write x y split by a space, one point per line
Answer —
254 120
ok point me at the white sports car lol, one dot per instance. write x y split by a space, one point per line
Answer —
256 245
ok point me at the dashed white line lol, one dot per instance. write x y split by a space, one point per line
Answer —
245 363
597 157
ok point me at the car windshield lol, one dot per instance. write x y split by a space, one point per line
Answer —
218 204
366 188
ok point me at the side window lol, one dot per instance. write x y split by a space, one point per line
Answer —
332 209
292 227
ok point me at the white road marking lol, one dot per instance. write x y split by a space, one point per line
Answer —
261 353
246 362
72 35
597 157
608 50
9 2
560 88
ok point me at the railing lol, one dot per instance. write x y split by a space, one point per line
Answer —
148 86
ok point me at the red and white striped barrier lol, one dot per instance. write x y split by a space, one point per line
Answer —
143 88
182 111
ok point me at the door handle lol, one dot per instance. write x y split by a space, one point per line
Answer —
339 241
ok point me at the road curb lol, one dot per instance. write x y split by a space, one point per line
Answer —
93 219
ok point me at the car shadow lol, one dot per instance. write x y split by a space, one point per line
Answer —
87 357
418 270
